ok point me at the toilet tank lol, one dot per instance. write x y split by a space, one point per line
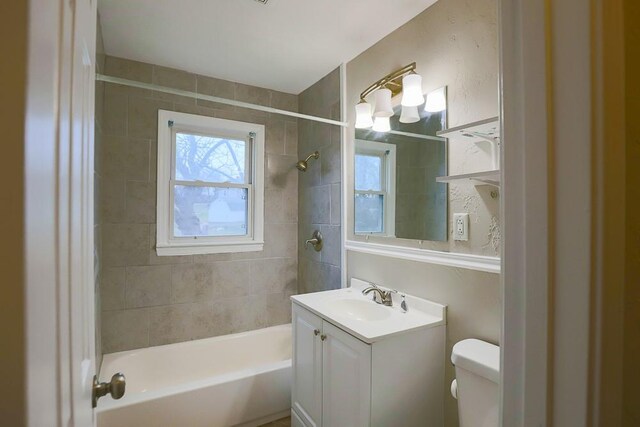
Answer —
477 366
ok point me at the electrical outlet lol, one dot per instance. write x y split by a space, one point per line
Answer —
461 226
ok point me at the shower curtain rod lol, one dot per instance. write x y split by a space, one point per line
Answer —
157 88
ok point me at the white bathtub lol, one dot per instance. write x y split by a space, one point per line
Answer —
240 379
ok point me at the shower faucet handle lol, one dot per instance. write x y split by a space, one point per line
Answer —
315 241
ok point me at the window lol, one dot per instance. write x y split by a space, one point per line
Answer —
375 177
210 185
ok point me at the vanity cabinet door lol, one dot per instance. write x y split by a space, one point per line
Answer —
346 379
306 393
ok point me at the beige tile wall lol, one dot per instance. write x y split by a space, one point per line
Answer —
149 300
319 195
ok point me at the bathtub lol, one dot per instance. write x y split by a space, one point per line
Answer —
233 380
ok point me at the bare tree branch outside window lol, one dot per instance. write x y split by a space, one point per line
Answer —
201 210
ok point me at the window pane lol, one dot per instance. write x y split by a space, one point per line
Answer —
210 211
369 213
368 173
210 159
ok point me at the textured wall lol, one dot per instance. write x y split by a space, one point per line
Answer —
149 300
319 192
454 43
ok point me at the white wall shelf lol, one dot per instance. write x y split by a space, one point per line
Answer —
487 130
482 130
481 178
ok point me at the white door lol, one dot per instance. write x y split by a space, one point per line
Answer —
346 379
81 205
59 212
306 393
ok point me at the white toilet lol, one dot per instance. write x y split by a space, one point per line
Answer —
476 385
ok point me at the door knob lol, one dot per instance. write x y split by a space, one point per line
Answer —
115 388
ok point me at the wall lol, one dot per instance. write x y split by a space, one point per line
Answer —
97 184
319 192
13 81
631 354
454 43
149 300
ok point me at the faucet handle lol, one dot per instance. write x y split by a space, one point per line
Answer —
403 304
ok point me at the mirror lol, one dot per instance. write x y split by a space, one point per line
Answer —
395 189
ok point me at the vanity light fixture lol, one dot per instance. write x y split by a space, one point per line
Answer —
383 103
404 80
436 101
412 90
382 124
409 115
363 115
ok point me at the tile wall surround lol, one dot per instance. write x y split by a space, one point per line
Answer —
319 197
148 300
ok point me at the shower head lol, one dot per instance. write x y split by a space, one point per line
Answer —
302 164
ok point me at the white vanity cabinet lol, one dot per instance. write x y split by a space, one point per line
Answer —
331 373
306 398
341 380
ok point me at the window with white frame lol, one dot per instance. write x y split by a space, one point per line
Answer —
210 185
375 185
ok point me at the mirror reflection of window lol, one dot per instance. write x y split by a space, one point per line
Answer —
414 206
375 175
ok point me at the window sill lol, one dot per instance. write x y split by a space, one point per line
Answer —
176 250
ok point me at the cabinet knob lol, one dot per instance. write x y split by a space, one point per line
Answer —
316 332
323 337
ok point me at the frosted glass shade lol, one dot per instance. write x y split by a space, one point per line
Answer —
409 115
363 115
436 101
412 90
383 103
382 124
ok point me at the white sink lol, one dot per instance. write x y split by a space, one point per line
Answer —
369 321
364 311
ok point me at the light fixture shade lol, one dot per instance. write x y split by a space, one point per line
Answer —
383 103
382 124
412 90
436 101
363 115
409 115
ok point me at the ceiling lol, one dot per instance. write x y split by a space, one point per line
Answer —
285 45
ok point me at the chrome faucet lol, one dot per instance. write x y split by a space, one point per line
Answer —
384 297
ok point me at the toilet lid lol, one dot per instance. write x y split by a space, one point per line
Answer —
479 357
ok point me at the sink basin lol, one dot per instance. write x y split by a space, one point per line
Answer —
358 309
368 321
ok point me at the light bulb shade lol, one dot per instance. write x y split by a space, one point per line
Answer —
383 103
363 115
436 101
412 90
382 124
409 115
